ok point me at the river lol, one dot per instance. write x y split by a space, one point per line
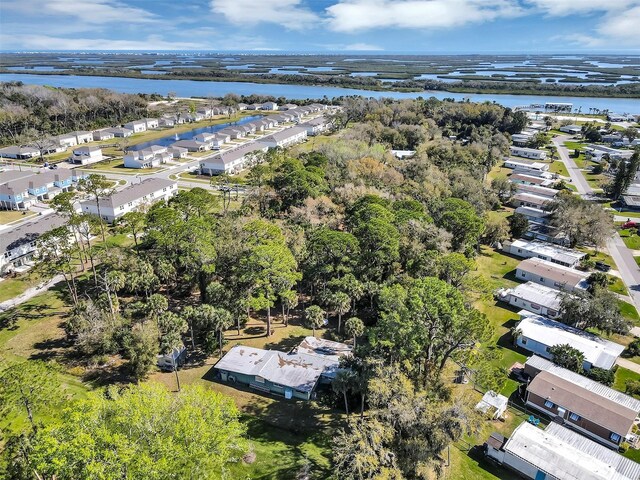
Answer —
190 88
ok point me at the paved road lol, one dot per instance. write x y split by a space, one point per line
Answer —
628 364
30 293
574 172
623 257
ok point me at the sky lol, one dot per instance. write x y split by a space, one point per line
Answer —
331 26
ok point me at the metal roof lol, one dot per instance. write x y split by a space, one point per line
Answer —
566 455
285 134
544 365
558 273
539 294
134 192
237 153
597 351
555 252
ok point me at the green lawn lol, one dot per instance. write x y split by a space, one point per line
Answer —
617 285
630 239
622 375
629 311
8 216
559 168
13 286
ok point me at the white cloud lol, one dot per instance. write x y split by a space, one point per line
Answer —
290 14
577 7
358 15
364 47
623 28
45 42
94 12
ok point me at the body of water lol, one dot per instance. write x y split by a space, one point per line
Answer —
188 135
191 88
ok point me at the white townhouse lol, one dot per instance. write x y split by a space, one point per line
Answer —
151 123
178 152
86 155
285 138
121 132
18 245
242 106
149 157
316 126
19 153
135 197
191 145
83 136
137 126
67 140
103 134
232 161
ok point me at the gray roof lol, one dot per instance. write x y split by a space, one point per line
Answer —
241 151
544 365
11 175
29 232
566 455
285 134
300 370
15 150
538 294
315 121
134 192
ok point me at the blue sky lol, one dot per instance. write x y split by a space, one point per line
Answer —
421 26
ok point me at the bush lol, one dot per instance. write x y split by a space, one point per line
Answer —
632 387
633 350
607 377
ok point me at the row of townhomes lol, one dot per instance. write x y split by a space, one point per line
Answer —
18 245
21 190
587 421
134 197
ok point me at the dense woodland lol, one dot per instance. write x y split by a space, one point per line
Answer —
28 112
384 248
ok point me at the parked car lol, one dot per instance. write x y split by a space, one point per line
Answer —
629 225
603 267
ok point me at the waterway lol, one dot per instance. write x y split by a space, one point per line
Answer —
191 88
188 135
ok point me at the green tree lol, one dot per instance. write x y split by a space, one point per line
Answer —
141 347
142 432
341 304
518 225
342 384
133 223
567 357
427 322
288 300
597 308
354 327
30 387
461 220
97 187
314 317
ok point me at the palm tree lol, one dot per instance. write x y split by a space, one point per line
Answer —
314 317
221 320
341 303
354 327
343 383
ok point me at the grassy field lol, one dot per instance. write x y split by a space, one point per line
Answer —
630 238
559 168
629 311
8 216
11 287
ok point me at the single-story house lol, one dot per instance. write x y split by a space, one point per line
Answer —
520 139
132 198
597 152
533 298
535 215
572 129
530 168
531 153
551 275
232 161
552 253
557 453
19 152
83 136
86 155
632 202
316 126
293 375
269 106
18 245
241 106
537 190
592 409
538 334
121 132
288 106
545 233
523 199
137 126
525 179
285 138
103 134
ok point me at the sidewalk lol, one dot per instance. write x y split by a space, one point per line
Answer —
30 293
628 364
